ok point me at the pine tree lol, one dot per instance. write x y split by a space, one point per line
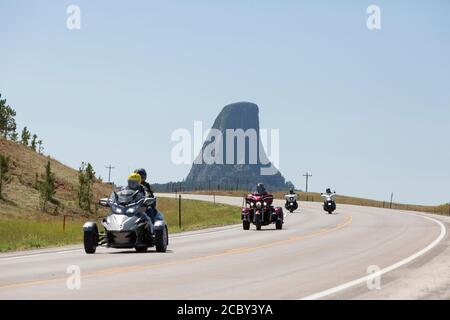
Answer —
5 164
86 178
34 142
47 187
90 173
7 121
14 136
26 135
40 147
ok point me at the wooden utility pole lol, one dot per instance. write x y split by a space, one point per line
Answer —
307 175
179 211
110 167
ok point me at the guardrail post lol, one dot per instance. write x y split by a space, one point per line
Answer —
64 223
179 211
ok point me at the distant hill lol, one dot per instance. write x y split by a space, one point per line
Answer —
22 198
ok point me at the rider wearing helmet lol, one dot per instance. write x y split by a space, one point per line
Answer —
134 182
260 189
145 185
152 212
291 191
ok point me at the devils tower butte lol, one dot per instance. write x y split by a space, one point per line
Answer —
241 159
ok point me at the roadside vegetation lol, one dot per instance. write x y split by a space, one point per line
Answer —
47 231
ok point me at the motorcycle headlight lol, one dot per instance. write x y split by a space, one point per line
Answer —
258 204
251 204
131 210
291 198
118 210
265 204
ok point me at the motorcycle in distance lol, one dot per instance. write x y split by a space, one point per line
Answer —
329 204
291 202
127 225
260 211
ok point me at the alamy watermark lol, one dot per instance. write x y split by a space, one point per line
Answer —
374 280
73 22
236 147
374 20
73 282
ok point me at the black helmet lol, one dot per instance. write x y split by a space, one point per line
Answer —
142 173
328 190
291 190
260 188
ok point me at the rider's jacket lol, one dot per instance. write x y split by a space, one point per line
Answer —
331 195
147 189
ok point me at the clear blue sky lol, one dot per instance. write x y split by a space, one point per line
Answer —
366 112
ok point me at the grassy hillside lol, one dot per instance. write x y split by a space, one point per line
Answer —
23 225
312 196
22 198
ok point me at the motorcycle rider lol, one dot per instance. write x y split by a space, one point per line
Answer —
152 212
327 196
329 193
145 185
291 192
260 189
291 201
134 183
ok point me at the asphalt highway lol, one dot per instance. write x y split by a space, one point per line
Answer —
355 253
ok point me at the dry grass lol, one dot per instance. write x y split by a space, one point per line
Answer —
23 198
23 225
44 230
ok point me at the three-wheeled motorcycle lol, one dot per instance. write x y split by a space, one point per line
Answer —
128 225
260 211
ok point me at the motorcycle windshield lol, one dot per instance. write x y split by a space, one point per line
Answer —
126 196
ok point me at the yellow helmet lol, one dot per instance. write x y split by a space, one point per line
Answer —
134 180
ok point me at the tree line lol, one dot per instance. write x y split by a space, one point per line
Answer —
44 183
8 129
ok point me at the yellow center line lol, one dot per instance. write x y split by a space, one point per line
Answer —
228 252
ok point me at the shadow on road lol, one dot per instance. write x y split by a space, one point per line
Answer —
132 251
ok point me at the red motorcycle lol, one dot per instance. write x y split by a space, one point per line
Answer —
260 211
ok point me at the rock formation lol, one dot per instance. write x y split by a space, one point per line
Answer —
242 168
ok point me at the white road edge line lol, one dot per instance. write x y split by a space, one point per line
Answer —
38 255
353 283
